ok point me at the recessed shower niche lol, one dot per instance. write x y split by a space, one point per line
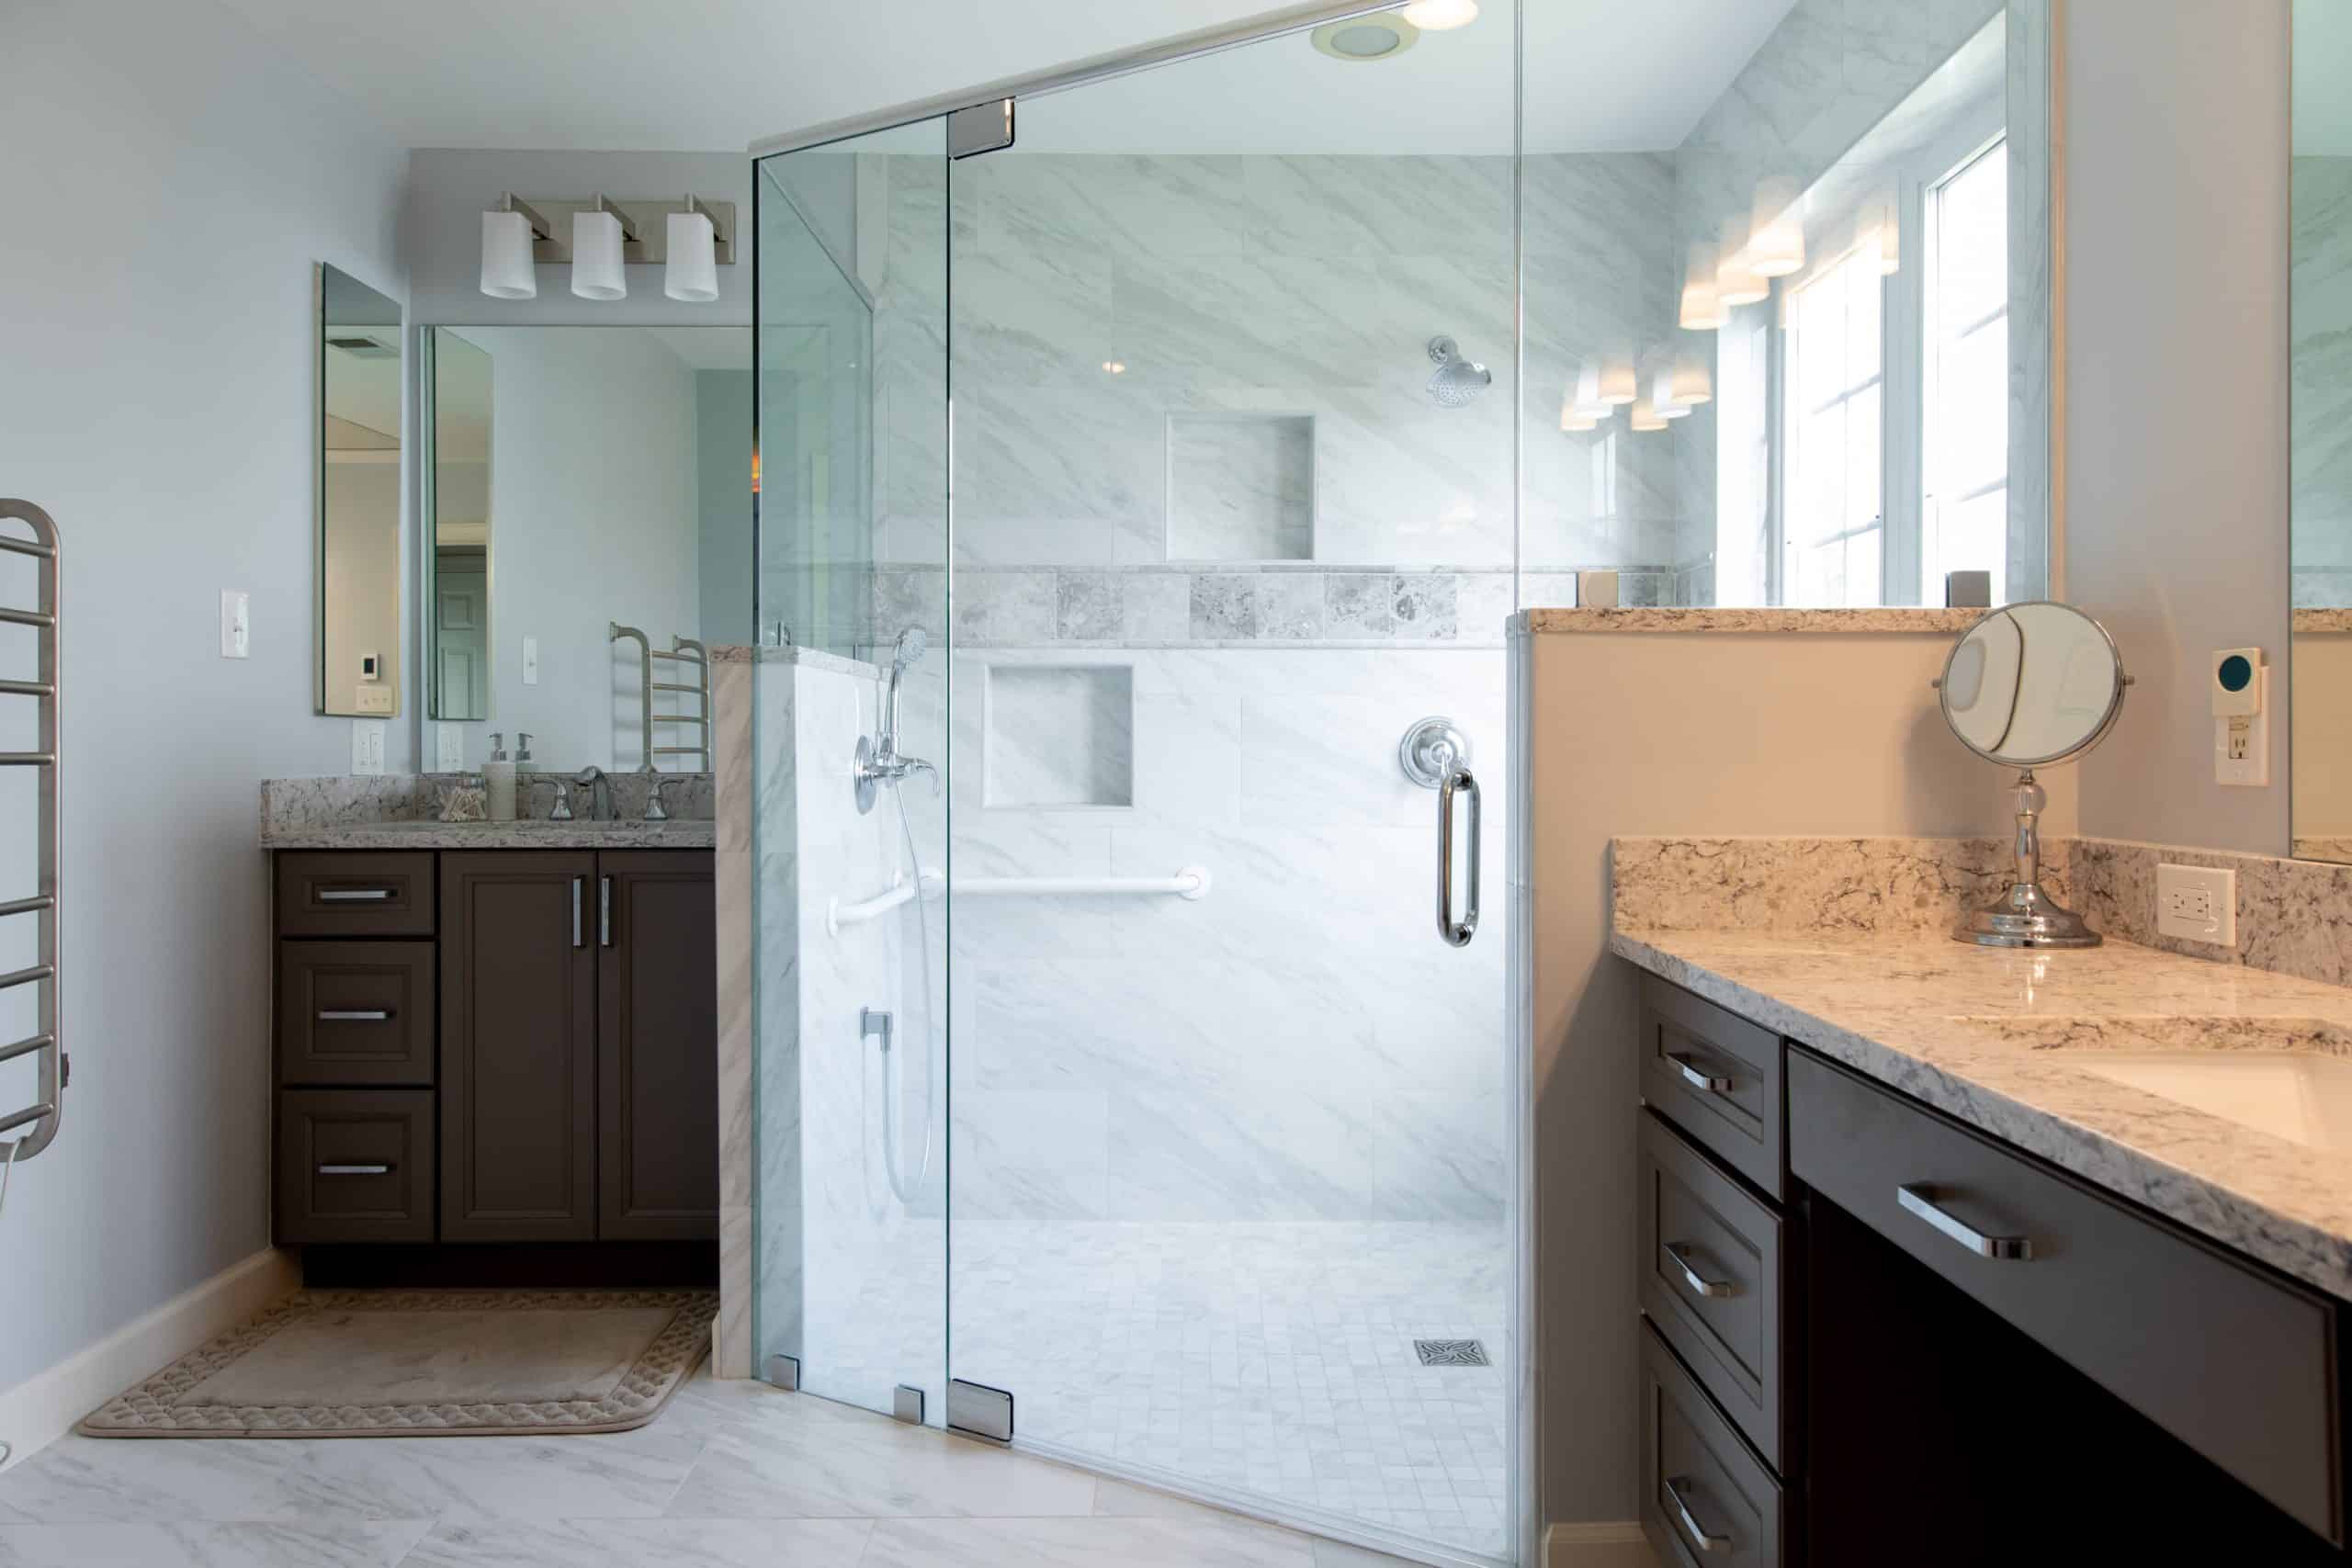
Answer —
1240 487
1060 734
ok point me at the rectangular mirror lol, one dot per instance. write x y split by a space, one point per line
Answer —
2319 308
358 483
1788 324
580 480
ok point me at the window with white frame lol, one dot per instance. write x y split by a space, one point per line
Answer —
1965 518
1832 511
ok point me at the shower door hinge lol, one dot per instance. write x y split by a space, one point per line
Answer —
983 128
978 1411
906 1404
784 1371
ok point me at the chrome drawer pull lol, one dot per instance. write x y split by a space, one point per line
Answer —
354 895
1920 1201
356 1015
355 1170
1679 1253
1705 1082
1691 1526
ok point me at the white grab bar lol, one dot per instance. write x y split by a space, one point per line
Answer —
1191 882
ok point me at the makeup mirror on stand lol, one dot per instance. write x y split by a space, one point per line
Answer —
2031 686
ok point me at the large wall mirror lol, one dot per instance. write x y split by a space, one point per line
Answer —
580 478
2320 425
1788 306
358 601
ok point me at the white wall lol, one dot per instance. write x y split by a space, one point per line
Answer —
594 519
2177 183
170 184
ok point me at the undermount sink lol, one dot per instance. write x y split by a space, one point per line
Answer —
2288 1076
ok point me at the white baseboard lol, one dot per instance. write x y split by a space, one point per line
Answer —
44 1407
1618 1545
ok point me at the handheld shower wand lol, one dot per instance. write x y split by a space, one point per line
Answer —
878 761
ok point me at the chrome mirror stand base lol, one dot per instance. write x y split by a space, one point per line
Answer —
2027 917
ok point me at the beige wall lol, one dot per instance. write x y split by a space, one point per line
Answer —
1692 733
2322 771
2176 175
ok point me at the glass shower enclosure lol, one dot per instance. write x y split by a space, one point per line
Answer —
1116 1092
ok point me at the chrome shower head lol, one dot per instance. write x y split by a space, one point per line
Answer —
1458 381
911 645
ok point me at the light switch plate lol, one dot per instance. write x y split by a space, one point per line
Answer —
2197 903
236 623
373 699
367 745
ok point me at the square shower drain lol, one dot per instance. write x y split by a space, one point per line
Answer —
1451 1352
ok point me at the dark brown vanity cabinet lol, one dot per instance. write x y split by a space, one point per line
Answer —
548 1019
1861 1318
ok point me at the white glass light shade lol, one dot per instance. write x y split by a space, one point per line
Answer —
1691 383
1737 282
1776 237
1619 382
1646 417
1703 309
691 273
1573 419
1439 16
506 269
596 271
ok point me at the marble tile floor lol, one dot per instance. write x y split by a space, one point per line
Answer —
1267 1358
732 1475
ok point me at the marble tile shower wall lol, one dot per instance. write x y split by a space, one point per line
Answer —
2322 380
1299 1044
1295 288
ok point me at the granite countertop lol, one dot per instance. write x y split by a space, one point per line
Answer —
535 834
1995 1038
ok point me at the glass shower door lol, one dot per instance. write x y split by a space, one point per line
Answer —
1233 349
850 750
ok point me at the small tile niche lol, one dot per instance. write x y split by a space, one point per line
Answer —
1240 487
1062 735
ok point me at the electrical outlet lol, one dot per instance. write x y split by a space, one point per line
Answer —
236 623
448 749
367 745
530 662
2241 701
2197 903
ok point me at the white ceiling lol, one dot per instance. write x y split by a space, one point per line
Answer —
706 76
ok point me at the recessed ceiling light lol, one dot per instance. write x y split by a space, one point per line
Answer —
1437 15
1380 36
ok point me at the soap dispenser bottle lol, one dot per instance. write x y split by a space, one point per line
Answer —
498 780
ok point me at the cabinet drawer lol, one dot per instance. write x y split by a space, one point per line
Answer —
1712 1265
2236 1364
355 1165
336 893
1706 1500
1717 1077
354 1012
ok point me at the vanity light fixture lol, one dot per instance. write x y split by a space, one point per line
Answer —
1115 367
508 232
1440 15
1703 308
1584 401
691 272
1662 398
1574 419
1737 282
1646 417
1776 240
598 233
1384 35
1691 383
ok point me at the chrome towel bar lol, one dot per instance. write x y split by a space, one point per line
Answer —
47 1042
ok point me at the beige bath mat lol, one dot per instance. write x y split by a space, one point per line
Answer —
427 1363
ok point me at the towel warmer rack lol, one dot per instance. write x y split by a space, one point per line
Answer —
45 1041
682 650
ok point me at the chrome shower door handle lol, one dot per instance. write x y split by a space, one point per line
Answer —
1457 934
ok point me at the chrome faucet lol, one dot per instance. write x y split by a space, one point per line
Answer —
600 796
878 761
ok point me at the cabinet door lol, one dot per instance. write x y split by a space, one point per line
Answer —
657 1045
518 1046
